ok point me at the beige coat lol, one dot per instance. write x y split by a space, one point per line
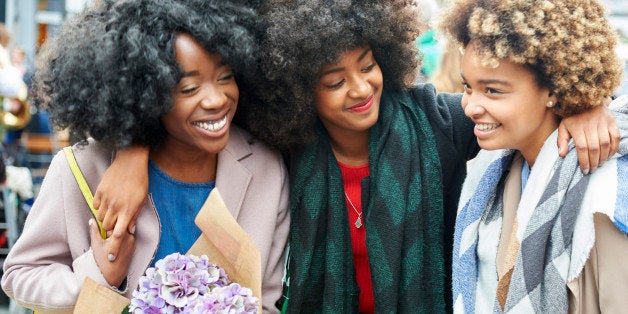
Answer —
602 286
48 264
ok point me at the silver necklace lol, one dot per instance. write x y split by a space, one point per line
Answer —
358 222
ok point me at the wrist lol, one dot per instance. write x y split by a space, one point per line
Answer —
135 153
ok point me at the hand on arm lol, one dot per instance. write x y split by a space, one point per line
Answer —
121 194
595 135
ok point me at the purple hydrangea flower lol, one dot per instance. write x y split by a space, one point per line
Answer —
190 284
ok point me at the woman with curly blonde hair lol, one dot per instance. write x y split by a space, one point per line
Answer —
533 234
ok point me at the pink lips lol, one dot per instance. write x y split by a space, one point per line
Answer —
363 106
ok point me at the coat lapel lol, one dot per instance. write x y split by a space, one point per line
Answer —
232 178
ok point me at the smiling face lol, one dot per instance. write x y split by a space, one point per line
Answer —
508 107
348 93
205 101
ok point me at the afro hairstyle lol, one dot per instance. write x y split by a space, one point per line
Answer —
569 45
303 36
110 71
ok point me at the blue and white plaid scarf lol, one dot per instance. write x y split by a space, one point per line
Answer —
554 235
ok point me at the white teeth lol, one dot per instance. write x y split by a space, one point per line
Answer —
487 126
212 126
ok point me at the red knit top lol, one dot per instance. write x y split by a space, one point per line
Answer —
352 177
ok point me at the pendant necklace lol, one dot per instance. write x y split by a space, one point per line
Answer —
358 222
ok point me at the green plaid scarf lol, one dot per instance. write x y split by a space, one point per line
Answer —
403 211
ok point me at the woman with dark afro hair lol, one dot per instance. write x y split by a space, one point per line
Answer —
376 165
162 74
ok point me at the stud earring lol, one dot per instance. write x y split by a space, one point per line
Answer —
550 104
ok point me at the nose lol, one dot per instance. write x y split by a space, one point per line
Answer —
471 105
213 98
360 88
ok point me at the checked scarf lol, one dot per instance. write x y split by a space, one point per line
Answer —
403 217
554 225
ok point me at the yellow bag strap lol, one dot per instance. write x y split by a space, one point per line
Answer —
87 193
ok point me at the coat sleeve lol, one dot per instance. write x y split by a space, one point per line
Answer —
42 272
446 115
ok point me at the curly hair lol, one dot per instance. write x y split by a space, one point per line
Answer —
568 44
110 71
303 36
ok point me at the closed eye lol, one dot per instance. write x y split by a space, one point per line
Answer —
188 91
337 85
227 77
369 67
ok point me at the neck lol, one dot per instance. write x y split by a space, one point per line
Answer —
531 151
351 149
183 164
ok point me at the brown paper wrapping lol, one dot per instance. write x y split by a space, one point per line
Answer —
98 299
223 241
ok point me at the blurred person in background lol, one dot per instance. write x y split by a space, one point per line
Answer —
428 42
446 78
15 111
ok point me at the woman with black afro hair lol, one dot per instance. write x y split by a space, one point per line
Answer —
376 164
162 74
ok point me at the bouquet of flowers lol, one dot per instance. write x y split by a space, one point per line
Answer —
190 284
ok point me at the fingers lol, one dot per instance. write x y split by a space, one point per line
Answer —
94 233
132 223
92 228
101 205
110 216
114 248
96 202
593 142
604 143
563 140
122 226
582 148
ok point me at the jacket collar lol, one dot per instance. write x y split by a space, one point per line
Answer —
232 177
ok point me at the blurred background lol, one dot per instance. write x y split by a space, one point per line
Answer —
618 16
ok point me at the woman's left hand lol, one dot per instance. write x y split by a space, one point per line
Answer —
114 270
595 135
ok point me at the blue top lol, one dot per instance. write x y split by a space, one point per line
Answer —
525 174
177 205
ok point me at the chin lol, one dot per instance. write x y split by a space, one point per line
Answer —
488 145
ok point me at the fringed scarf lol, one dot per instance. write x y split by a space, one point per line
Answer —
554 225
403 212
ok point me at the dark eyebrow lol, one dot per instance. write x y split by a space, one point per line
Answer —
364 53
222 63
488 81
493 81
191 73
